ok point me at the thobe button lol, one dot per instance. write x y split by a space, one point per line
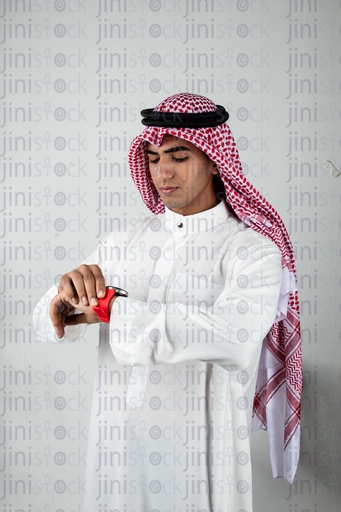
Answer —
180 224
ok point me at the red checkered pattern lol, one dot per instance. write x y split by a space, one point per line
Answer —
283 340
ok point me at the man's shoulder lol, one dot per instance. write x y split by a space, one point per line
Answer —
244 235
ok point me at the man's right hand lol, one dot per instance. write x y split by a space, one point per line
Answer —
84 284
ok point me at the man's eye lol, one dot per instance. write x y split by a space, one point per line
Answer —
154 161
180 159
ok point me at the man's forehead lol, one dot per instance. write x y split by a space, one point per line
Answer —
168 141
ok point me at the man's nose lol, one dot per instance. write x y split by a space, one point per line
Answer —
165 169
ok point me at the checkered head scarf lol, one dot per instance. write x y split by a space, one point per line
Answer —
198 120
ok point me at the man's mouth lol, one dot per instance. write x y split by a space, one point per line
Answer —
167 190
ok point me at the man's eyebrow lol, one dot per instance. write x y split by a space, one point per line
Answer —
170 150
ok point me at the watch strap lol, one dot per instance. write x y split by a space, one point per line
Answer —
102 309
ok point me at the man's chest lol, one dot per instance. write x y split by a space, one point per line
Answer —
172 268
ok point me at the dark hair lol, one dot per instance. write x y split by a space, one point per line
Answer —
218 184
219 187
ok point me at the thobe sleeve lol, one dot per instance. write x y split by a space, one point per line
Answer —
228 332
41 316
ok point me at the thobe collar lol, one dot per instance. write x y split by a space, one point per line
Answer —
184 225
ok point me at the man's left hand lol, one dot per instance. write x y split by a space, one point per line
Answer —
62 313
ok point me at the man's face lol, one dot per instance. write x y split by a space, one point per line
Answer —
182 175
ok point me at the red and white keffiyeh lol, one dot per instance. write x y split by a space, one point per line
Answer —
278 391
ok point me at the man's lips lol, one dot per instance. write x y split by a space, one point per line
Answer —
167 190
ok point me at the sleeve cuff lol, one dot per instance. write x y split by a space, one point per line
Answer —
134 330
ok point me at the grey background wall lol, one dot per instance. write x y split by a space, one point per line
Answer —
74 76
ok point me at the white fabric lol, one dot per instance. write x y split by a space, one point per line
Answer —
174 389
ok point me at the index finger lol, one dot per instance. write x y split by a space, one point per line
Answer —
59 310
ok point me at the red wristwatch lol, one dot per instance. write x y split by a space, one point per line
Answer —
102 310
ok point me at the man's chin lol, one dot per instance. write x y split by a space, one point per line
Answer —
172 205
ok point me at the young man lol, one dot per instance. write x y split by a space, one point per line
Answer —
211 313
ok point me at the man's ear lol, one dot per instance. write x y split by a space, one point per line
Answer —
215 169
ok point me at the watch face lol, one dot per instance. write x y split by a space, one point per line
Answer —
119 291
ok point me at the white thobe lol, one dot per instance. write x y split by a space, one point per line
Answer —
177 365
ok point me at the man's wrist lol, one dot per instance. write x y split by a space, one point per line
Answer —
111 303
119 292
105 304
